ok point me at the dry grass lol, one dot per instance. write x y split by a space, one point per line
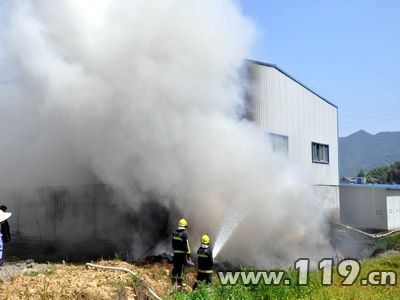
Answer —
79 282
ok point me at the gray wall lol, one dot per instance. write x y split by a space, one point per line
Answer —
81 222
366 207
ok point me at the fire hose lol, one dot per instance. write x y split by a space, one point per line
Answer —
371 235
125 270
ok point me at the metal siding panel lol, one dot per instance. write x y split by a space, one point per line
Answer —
283 106
379 209
390 213
370 207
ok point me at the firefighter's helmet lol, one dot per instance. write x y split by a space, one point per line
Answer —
205 239
183 223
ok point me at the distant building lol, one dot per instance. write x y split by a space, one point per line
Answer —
376 181
299 123
353 180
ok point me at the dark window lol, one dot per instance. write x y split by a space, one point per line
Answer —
279 143
320 153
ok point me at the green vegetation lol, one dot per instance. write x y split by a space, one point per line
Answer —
314 290
385 174
47 272
389 242
120 291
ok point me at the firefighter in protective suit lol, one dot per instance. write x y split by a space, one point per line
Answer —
205 261
180 244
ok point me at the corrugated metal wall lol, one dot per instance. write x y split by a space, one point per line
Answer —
279 104
78 222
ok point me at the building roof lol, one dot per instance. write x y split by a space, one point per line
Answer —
251 61
373 186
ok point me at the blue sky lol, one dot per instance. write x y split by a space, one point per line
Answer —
347 51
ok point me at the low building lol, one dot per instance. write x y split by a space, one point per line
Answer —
353 180
370 207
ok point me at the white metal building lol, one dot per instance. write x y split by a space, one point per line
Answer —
370 206
299 123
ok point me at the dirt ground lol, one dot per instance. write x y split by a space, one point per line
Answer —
18 267
64 281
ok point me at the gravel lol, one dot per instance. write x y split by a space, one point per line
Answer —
15 268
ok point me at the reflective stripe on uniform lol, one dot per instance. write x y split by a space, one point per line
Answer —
177 238
202 255
205 271
179 251
188 247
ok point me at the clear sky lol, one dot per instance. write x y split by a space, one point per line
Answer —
348 51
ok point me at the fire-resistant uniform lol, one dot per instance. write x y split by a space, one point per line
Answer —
180 244
205 262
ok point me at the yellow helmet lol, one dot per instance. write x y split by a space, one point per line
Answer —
183 223
205 239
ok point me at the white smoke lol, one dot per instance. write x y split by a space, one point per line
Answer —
146 95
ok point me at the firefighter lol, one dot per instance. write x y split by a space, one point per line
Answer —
205 261
180 244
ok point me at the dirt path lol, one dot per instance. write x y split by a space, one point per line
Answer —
16 268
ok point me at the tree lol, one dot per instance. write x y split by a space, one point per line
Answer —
385 174
393 175
361 173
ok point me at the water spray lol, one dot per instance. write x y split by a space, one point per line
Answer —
230 223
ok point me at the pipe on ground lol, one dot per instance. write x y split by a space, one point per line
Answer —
371 235
125 270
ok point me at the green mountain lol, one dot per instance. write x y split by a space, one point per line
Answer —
365 151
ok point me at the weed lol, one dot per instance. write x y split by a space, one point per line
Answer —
117 256
120 291
47 272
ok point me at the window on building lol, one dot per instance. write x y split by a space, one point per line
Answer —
320 153
279 143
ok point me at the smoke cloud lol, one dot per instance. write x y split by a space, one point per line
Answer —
147 96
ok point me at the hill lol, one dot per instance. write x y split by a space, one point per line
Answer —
365 151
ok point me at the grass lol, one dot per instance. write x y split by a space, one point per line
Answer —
47 272
120 291
388 242
314 290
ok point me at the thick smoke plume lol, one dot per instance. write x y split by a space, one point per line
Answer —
146 96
